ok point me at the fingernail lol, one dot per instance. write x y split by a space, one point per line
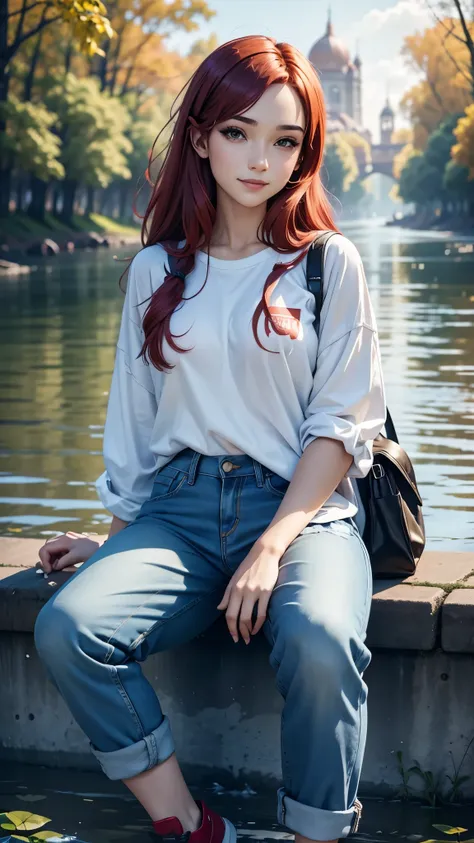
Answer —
235 640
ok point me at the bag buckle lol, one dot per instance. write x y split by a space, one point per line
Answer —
357 815
378 471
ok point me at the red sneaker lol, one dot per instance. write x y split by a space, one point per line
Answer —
213 829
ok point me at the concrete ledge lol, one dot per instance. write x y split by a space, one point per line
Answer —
403 617
405 613
420 696
228 726
457 621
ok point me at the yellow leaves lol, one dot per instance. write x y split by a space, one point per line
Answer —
26 821
401 159
463 150
89 22
441 54
130 39
346 154
23 821
403 135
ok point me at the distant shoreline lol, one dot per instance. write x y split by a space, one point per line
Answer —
23 239
449 224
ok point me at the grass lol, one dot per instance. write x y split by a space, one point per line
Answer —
19 228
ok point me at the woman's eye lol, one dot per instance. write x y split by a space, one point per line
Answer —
228 132
234 134
292 142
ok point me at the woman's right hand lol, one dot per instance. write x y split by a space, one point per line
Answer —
67 550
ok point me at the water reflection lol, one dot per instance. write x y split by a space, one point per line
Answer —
96 810
58 330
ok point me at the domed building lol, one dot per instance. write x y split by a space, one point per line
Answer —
341 79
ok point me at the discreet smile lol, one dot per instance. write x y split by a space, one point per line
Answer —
253 184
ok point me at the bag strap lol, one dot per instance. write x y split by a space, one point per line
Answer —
315 284
314 271
173 265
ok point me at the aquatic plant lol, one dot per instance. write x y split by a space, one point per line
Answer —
432 791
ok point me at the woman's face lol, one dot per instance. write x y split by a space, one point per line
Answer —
263 144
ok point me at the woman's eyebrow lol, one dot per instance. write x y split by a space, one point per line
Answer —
254 123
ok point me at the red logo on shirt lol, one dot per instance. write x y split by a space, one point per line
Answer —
287 319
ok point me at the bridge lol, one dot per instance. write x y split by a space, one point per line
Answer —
383 155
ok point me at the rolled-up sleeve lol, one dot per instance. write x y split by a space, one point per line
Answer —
131 413
347 400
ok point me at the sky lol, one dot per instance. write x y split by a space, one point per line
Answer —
376 31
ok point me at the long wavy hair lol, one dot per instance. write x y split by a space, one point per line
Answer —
183 201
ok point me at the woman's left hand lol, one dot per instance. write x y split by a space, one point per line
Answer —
253 581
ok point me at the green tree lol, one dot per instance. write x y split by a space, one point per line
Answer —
332 171
145 124
422 176
456 180
440 143
23 20
463 151
31 146
92 128
459 186
340 168
419 181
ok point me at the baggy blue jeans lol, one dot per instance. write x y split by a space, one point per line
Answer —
156 584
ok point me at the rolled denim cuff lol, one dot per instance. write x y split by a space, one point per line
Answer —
132 760
314 822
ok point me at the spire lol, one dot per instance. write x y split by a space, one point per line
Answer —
357 59
329 29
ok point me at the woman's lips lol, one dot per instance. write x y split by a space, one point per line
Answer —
253 185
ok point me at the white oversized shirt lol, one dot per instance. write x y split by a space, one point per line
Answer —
227 395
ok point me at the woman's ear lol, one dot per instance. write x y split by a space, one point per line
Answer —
199 142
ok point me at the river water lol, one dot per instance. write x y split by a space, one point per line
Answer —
58 329
88 808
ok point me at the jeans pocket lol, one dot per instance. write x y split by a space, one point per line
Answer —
276 485
167 482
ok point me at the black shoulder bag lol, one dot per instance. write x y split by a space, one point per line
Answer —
394 532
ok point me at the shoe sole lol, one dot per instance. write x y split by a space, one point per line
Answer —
230 835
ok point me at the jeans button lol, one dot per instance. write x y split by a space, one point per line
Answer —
227 466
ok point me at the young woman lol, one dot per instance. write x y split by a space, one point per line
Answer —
232 438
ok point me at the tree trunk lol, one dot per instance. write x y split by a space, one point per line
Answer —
38 196
56 199
90 201
5 171
103 200
69 194
124 201
68 55
20 191
34 62
103 62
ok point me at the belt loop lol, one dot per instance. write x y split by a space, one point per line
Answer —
257 467
193 468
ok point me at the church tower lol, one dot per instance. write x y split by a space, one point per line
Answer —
387 123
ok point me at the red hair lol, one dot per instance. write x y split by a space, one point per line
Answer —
183 202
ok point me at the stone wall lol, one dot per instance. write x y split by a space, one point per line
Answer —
221 697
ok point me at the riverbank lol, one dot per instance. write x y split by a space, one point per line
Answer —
22 237
426 220
102 811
